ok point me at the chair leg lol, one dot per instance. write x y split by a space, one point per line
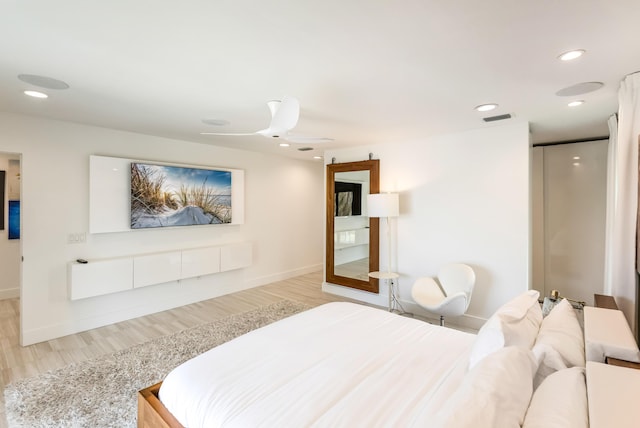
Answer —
441 321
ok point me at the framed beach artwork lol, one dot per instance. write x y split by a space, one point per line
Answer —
167 196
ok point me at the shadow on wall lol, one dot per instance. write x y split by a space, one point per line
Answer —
480 296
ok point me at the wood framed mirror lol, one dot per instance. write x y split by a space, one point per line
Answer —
352 238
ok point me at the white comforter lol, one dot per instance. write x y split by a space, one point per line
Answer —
337 365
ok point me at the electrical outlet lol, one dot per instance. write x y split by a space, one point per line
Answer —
77 238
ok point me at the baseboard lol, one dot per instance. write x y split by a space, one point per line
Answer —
11 293
281 276
352 293
73 326
466 321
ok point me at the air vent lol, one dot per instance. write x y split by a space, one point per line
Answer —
499 117
305 149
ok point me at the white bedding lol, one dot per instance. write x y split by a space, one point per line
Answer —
337 365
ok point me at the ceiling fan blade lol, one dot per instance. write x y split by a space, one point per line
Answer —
228 134
286 115
301 139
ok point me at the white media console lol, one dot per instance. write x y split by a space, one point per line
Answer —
104 276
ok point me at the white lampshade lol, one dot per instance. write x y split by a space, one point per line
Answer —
383 205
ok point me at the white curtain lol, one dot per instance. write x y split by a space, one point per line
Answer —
622 200
612 192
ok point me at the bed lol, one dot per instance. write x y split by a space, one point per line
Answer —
347 365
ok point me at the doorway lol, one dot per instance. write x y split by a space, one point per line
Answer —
568 218
10 246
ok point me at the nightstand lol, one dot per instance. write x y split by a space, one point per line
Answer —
389 276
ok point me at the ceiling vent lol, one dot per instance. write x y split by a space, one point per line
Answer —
499 117
305 149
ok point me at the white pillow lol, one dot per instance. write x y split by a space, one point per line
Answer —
560 341
560 401
495 393
518 307
516 323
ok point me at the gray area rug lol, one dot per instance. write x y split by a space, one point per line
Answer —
102 392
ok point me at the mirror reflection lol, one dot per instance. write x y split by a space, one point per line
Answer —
351 225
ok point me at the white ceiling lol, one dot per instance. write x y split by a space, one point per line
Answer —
365 72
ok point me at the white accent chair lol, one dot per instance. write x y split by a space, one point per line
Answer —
451 297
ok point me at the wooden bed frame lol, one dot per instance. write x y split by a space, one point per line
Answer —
151 412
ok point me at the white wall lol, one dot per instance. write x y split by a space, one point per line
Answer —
9 249
463 198
283 219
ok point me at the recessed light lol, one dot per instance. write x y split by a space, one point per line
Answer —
576 164
576 158
317 157
36 94
568 56
576 103
284 144
486 107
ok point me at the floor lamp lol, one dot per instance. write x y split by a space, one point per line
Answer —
385 205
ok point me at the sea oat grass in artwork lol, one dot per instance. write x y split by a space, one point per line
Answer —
146 189
102 392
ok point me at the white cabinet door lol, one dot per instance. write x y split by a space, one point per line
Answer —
100 277
156 268
200 261
236 256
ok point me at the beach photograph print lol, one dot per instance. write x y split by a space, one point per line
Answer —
166 196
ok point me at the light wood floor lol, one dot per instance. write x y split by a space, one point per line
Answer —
358 269
18 362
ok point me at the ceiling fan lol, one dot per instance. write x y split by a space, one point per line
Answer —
284 117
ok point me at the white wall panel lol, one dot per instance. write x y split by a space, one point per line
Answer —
110 193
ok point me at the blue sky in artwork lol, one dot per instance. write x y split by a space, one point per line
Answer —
177 176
